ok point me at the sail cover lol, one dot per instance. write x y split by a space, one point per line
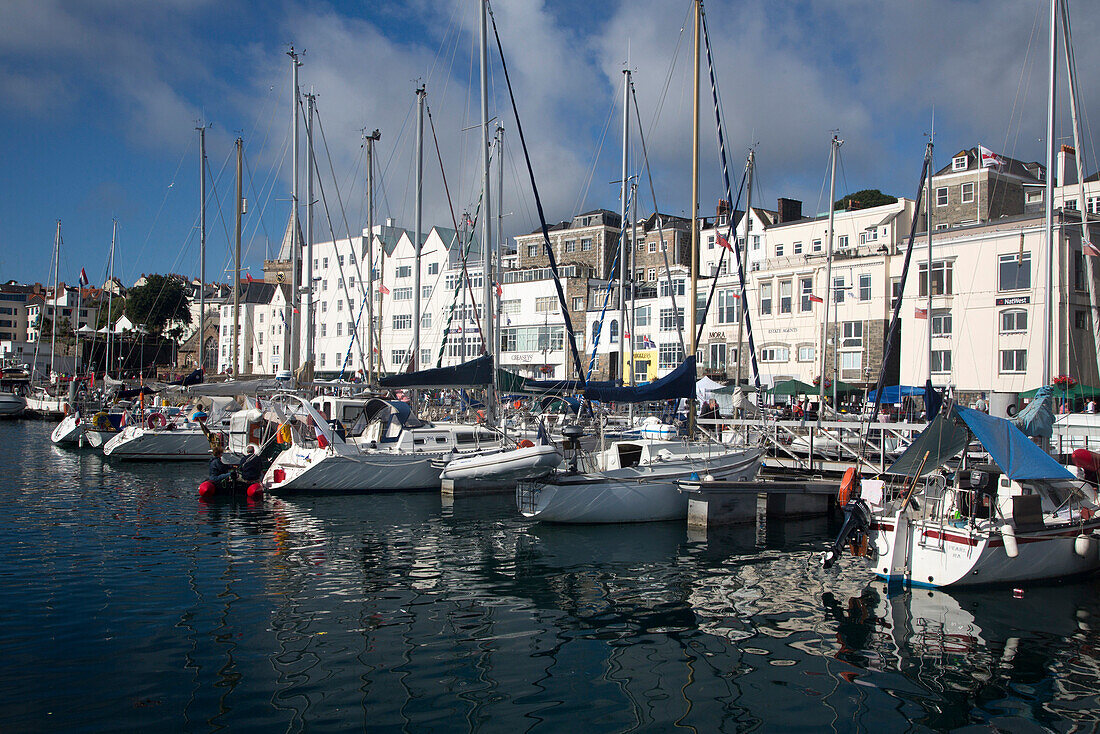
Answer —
1037 419
680 383
941 440
475 373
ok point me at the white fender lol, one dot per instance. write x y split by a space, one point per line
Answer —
1009 534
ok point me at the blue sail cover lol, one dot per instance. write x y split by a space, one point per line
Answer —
475 373
680 383
1037 419
1011 450
894 393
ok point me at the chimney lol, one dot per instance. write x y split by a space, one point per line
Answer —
789 210
722 208
1067 166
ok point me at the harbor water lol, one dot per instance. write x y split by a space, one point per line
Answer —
128 604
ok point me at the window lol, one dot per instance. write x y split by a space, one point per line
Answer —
958 163
1014 271
838 289
641 316
756 242
895 292
324 285
586 245
941 360
1013 321
1034 197
404 271
653 246
613 332
852 335
341 260
324 329
1081 319
941 197
578 303
339 328
967 193
851 364
532 250
796 248
570 245
1092 205
340 304
815 246
641 245
672 319
670 355
775 354
941 278
717 356
779 250
397 356
842 242
402 294
678 285
765 298
426 321
324 262
546 304
433 268
807 289
652 274
710 242
324 306
941 323
865 287
510 307
322 359
400 321
1079 271
784 296
1013 360
728 307
806 353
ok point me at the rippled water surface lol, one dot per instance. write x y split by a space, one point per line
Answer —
129 605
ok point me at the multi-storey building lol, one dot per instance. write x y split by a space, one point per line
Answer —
970 190
590 239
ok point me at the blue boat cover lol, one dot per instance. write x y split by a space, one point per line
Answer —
1037 419
680 383
475 373
1011 450
894 393
940 441
933 400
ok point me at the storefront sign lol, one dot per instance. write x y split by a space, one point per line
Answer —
1014 301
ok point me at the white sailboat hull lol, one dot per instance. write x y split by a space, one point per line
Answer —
317 469
633 494
926 553
136 443
530 462
69 431
46 405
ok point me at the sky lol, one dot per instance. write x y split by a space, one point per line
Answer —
103 97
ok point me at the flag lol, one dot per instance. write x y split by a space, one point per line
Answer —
500 291
383 290
322 442
920 313
626 335
723 242
1091 249
124 420
816 299
248 277
989 158
83 278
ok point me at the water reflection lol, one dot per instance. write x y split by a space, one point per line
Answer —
130 604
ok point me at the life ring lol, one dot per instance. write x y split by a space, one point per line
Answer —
525 444
156 420
518 404
849 485
101 422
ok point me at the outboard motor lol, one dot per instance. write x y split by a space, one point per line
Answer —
572 434
857 523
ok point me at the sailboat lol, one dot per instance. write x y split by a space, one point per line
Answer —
943 522
41 401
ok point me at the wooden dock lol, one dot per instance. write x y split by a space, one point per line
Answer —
712 504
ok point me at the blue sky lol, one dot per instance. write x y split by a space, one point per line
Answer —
101 100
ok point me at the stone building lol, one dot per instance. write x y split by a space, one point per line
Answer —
590 239
969 190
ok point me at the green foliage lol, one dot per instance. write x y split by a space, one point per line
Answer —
865 199
160 300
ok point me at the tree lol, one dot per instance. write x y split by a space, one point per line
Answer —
864 200
160 300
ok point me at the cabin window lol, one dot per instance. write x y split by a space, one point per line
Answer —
465 437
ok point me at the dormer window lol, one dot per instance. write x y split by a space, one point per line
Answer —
958 163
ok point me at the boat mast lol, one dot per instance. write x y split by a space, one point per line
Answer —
237 262
1048 201
1071 67
834 147
53 321
414 357
623 209
290 338
308 265
633 285
694 209
486 221
371 140
928 226
500 240
111 301
751 165
202 251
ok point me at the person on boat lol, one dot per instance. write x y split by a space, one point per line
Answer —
251 466
220 472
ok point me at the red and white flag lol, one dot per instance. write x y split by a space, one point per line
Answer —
248 277
383 290
816 299
1091 249
322 442
920 313
723 242
500 291
83 278
989 158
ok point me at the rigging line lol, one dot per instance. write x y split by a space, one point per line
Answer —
273 175
1082 110
217 199
660 228
582 197
671 70
745 318
451 26
454 220
335 243
164 201
263 206
538 204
